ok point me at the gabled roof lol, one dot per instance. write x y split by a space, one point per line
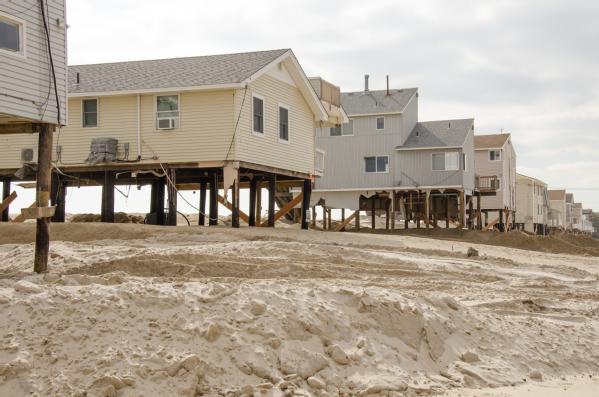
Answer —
229 71
557 195
377 102
200 71
492 141
438 134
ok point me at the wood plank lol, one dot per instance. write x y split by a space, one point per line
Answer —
288 207
492 224
346 222
18 128
21 218
244 217
4 205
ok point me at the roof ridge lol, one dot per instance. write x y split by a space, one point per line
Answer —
178 58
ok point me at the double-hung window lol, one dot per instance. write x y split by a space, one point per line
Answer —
376 164
283 123
12 35
167 112
446 161
494 155
89 113
380 123
258 115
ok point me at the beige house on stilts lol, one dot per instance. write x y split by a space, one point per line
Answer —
215 122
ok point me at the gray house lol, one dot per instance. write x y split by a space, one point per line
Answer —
33 89
384 159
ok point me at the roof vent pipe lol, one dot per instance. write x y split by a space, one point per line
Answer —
366 82
388 86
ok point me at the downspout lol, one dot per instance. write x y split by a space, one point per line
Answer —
138 127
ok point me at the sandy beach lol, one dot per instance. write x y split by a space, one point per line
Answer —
134 310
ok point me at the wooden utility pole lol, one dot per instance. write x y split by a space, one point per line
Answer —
44 172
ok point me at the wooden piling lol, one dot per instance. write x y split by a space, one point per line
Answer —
253 195
202 214
462 205
272 191
235 205
44 171
213 213
57 198
108 197
4 216
172 197
373 214
427 208
307 191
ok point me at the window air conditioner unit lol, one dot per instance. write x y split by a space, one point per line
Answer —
27 155
167 123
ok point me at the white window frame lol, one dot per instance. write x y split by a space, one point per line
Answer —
254 132
376 157
281 105
178 95
97 113
22 36
497 151
445 154
324 153
377 123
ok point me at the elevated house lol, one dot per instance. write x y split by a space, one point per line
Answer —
33 100
587 221
577 217
215 122
532 203
557 210
495 163
385 159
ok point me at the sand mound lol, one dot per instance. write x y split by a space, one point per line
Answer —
119 217
137 310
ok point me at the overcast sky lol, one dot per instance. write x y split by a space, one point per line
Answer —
530 68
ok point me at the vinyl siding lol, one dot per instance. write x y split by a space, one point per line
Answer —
528 200
26 79
344 155
266 149
505 170
204 134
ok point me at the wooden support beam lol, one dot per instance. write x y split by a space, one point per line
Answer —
462 205
288 207
7 201
492 224
4 214
20 128
258 204
470 214
387 216
357 224
57 197
228 205
501 225
157 202
235 205
43 177
306 192
427 208
272 191
347 221
372 214
314 217
330 218
202 214
172 197
108 197
393 209
213 217
479 218
252 209
21 217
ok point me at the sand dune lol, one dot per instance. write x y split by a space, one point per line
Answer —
133 310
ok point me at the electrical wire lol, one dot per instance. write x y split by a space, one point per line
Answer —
51 61
237 122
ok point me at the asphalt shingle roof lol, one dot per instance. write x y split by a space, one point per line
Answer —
490 141
367 102
443 133
169 73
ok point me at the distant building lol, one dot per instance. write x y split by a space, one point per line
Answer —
557 209
532 203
